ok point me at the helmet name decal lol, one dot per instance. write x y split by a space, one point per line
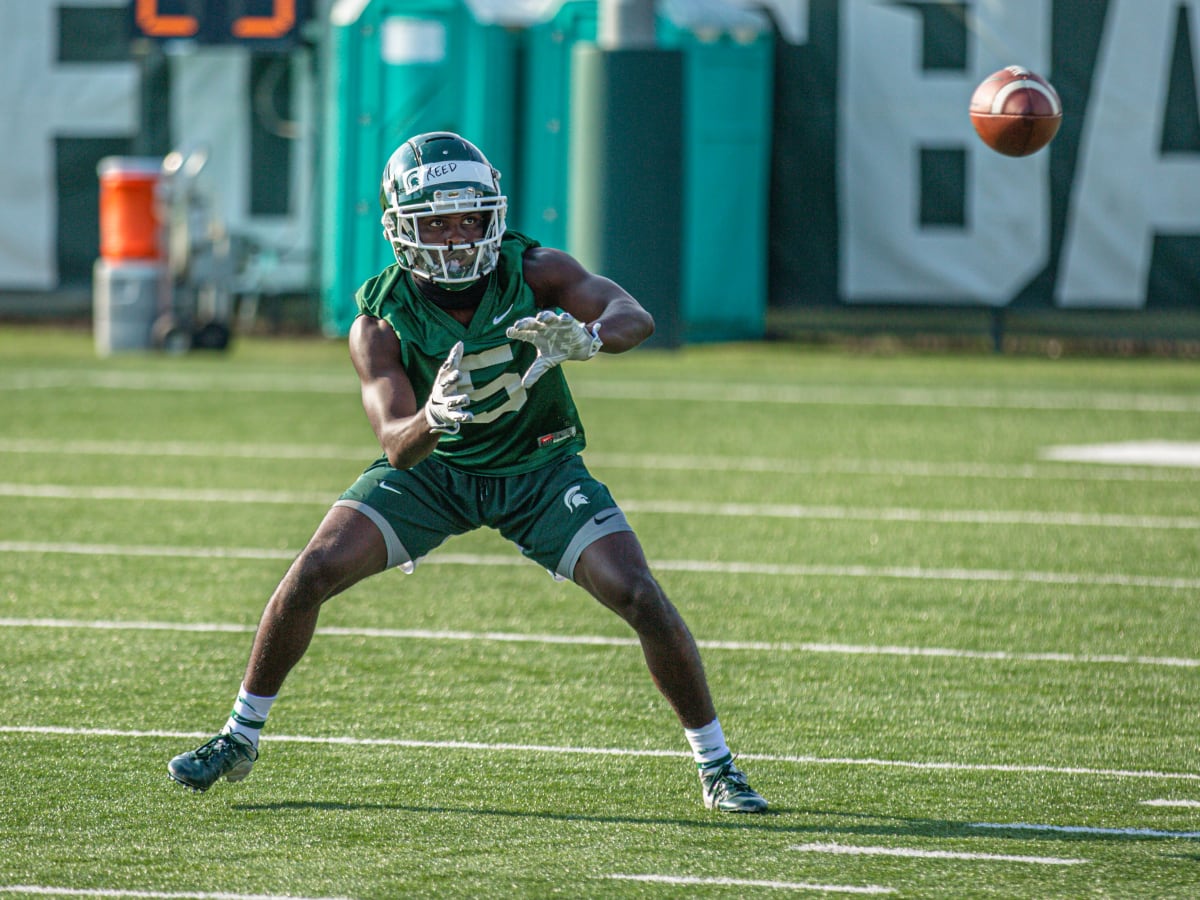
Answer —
443 172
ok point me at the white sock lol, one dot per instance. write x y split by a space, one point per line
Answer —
708 745
248 716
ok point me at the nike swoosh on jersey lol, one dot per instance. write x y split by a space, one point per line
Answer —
500 318
604 517
388 487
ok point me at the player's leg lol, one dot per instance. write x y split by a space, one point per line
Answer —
387 518
613 569
568 521
346 547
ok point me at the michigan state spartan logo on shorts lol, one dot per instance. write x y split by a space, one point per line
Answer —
574 498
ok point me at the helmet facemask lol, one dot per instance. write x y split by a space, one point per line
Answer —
451 266
439 175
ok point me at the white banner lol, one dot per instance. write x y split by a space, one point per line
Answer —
1126 189
889 108
40 100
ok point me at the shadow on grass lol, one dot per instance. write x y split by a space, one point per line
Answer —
775 821
727 820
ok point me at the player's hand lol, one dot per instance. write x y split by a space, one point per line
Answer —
446 408
558 337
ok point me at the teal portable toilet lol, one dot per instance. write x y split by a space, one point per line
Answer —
546 122
728 59
398 68
728 79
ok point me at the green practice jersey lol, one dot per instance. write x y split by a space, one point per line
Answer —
513 430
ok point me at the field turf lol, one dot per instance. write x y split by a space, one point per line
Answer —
956 664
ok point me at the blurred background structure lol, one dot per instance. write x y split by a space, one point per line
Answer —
799 168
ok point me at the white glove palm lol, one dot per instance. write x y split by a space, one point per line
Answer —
558 337
446 408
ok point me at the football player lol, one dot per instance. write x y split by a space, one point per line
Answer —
459 347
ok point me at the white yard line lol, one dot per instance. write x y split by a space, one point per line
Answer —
282 450
602 641
676 565
899 514
162 494
918 573
159 381
921 573
49 891
664 507
1087 829
1143 453
480 746
912 853
1177 804
841 395
78 549
719 881
884 467
362 453
656 391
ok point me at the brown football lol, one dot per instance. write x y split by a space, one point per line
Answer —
1015 111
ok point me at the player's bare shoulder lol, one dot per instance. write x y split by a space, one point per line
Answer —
373 345
552 273
367 330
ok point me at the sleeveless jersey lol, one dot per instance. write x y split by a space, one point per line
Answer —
514 430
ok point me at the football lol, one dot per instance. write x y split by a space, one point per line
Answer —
1015 111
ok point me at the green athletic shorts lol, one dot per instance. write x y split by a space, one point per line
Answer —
551 514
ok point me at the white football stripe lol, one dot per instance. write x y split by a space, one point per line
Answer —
847 850
1012 87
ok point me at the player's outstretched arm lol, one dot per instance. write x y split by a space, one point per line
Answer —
560 280
406 430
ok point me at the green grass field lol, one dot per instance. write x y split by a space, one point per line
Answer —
955 665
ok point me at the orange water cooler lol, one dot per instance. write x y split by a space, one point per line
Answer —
127 278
